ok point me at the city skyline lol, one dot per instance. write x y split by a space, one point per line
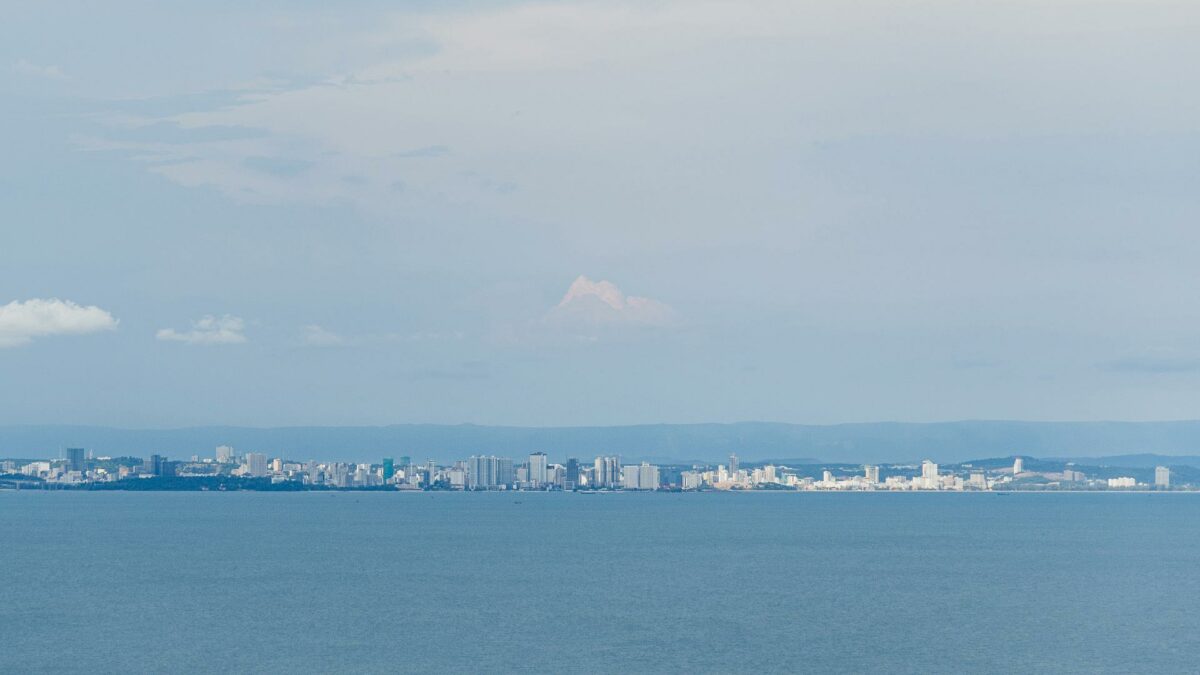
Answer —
229 470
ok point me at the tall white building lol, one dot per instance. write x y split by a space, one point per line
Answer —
929 475
224 454
640 477
1162 476
769 475
537 469
256 464
647 477
489 472
629 477
871 473
607 472
1018 466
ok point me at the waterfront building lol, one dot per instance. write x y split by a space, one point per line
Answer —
153 465
733 464
256 464
607 472
389 469
538 469
1162 477
571 480
871 473
648 477
485 473
1018 465
640 477
929 477
76 459
504 471
225 454
338 474
929 470
1070 475
1122 482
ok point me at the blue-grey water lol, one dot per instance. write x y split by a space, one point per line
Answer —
368 582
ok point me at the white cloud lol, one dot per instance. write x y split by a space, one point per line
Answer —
210 330
24 67
22 321
316 336
598 303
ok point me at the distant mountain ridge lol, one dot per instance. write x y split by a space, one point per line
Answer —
752 441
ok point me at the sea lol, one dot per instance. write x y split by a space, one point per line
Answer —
344 582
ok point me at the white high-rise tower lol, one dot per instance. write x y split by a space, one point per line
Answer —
537 469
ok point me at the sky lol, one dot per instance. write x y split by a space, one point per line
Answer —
597 213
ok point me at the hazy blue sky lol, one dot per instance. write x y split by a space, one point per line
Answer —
341 213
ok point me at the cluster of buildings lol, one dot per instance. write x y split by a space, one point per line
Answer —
475 473
771 476
928 476
488 472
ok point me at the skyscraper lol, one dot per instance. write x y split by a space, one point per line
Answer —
224 454
155 466
648 477
629 477
607 472
871 473
389 468
537 469
1162 476
488 472
641 477
929 475
572 478
1018 466
256 464
76 459
733 463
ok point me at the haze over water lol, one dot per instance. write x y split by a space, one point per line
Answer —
385 582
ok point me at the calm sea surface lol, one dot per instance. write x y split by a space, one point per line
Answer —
256 582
